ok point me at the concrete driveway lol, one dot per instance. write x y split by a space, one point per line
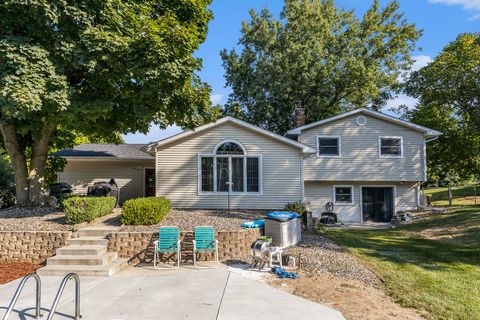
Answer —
143 293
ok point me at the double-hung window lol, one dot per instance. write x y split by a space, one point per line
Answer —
328 146
230 169
390 147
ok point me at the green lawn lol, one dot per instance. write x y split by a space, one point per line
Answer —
463 195
432 265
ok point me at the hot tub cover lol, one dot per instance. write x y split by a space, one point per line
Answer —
282 215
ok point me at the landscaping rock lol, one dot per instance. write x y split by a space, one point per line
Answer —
318 255
33 219
187 220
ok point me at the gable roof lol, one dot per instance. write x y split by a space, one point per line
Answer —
243 124
429 133
106 151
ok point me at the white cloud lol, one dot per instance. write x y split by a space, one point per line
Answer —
400 100
216 98
420 62
466 4
473 5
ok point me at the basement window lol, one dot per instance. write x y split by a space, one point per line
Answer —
343 194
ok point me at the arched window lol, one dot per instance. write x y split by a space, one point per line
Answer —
229 147
229 169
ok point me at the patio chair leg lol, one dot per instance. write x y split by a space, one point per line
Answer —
217 259
179 256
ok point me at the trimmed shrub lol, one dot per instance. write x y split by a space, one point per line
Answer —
146 211
87 209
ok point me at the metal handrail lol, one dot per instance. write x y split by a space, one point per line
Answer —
59 294
19 290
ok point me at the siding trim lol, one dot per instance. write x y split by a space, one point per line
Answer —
378 186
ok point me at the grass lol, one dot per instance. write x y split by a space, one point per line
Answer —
463 195
432 265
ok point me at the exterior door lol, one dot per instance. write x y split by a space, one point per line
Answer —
377 204
149 182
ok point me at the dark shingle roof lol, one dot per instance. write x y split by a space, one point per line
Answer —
105 150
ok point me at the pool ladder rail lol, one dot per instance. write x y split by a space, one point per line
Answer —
38 294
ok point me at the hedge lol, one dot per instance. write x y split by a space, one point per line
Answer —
145 211
87 209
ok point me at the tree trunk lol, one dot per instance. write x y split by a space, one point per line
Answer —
19 163
450 196
36 175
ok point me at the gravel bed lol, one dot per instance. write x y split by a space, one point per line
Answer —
322 256
35 219
187 220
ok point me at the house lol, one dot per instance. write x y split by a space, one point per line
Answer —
369 164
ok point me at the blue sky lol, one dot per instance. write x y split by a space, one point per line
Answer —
441 21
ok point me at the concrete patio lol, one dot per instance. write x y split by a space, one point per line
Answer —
145 293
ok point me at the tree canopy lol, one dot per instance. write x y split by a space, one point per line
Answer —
318 57
448 90
97 67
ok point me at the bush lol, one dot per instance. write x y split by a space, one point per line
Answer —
296 207
146 211
86 209
7 199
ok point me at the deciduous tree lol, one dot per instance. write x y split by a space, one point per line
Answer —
448 90
97 67
318 57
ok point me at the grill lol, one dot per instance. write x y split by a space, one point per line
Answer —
60 190
263 252
328 216
104 189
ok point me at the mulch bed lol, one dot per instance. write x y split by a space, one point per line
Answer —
187 220
14 270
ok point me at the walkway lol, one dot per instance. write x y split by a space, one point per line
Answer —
144 293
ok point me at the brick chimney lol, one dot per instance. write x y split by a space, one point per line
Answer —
299 117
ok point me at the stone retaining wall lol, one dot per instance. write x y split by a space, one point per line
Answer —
138 246
30 246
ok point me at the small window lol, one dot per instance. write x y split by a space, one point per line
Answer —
391 147
329 146
343 194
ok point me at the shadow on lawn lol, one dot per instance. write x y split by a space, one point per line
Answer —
401 247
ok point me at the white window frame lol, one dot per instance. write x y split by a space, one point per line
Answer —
339 139
380 155
343 203
229 156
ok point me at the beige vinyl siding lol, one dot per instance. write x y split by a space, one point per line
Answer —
319 193
129 175
177 170
360 159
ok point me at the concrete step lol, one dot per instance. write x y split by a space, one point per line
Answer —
88 241
81 250
95 260
96 231
85 271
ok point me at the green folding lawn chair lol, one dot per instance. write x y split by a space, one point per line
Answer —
205 242
168 242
